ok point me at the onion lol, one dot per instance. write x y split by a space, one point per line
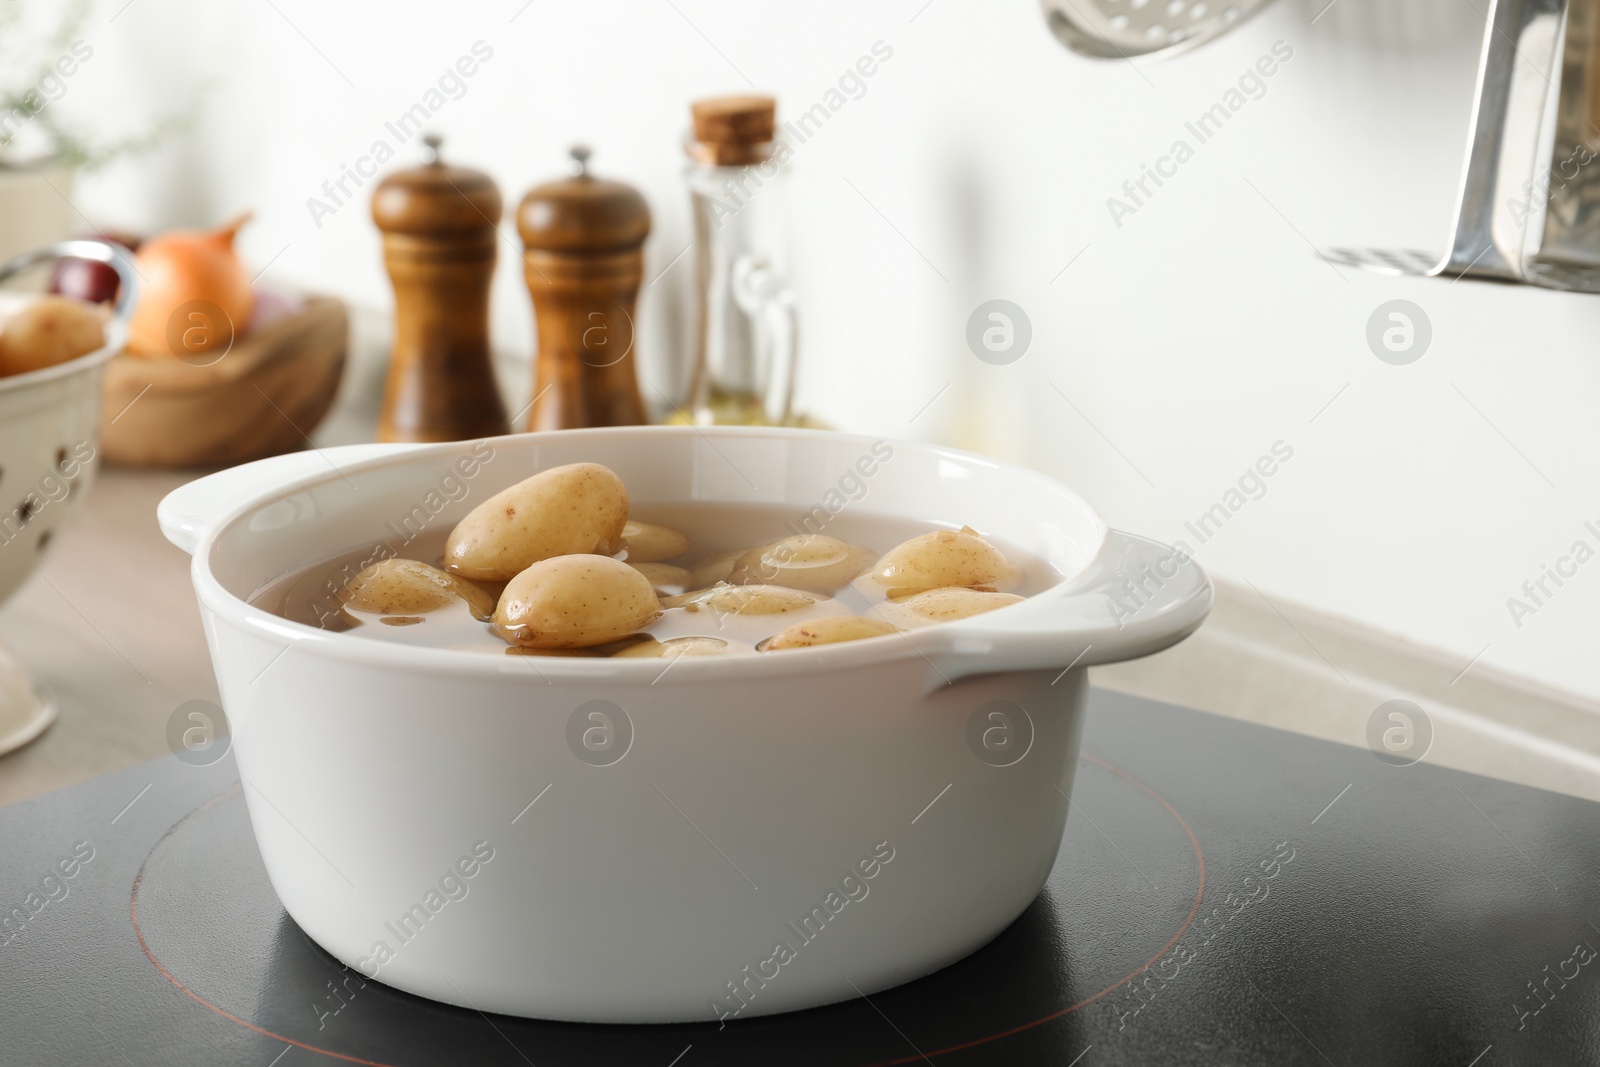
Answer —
195 296
90 280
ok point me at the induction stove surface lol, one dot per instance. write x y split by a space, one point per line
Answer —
1225 893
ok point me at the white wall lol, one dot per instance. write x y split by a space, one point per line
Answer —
1193 337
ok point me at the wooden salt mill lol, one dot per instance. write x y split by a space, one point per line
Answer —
584 259
438 224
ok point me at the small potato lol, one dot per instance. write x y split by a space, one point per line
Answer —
650 544
715 569
939 559
610 648
572 510
337 622
51 330
575 602
411 587
675 647
744 599
826 631
943 605
806 561
663 576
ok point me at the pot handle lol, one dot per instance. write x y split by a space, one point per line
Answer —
1137 597
191 511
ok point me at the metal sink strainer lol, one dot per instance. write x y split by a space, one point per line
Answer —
1123 29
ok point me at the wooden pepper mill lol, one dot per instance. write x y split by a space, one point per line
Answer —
438 224
583 260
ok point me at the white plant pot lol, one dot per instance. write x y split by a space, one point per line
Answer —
35 208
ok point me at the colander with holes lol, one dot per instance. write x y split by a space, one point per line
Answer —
49 451
1125 29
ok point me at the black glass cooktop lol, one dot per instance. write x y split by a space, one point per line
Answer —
1226 894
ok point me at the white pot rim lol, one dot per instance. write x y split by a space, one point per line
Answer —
951 650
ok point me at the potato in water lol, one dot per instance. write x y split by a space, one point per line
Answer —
575 601
828 631
811 562
940 559
943 605
51 330
666 578
664 583
725 599
714 569
647 543
576 509
410 587
677 646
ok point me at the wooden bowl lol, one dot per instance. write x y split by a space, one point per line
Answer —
264 397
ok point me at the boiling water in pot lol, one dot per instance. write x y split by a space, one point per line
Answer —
313 595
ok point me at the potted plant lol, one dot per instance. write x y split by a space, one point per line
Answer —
40 146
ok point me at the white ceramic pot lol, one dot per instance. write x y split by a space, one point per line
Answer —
49 452
742 835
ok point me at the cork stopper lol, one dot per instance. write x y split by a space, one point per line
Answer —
436 199
732 131
583 214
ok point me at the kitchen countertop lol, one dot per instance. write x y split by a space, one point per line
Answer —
109 625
